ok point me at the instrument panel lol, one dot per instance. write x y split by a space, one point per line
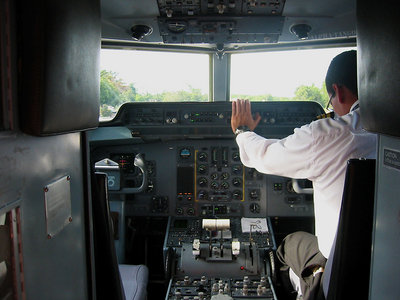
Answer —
193 163
211 119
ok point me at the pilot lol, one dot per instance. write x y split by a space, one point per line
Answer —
319 152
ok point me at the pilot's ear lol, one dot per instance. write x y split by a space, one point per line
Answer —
339 92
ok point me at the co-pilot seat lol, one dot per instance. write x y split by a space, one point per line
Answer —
113 281
347 271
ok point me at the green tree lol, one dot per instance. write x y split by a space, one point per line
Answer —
129 93
312 93
147 98
325 95
192 94
105 111
110 89
114 92
265 97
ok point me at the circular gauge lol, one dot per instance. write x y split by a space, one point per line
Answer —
177 26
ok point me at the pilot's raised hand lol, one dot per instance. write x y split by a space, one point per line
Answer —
241 115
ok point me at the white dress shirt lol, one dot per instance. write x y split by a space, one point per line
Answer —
319 152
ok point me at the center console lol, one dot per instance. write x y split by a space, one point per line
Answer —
219 258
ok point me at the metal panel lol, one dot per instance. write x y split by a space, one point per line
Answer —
386 244
53 268
221 77
57 198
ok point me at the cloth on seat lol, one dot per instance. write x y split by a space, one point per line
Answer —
134 281
299 252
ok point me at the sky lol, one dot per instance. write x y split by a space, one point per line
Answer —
275 73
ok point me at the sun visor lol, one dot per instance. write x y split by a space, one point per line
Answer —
59 75
378 37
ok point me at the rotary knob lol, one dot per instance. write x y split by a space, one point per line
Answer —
203 181
225 176
225 185
254 208
237 195
203 195
237 169
203 156
202 169
236 181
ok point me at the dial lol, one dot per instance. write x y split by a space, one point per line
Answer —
225 175
202 169
225 185
237 195
236 181
214 176
237 169
235 156
254 208
202 181
203 195
203 156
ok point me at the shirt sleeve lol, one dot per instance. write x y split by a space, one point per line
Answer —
289 157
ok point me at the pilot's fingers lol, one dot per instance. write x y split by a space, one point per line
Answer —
257 119
238 106
234 109
247 106
242 105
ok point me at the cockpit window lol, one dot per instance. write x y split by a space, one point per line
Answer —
160 76
282 75
151 76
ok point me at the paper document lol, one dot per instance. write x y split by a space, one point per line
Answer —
254 224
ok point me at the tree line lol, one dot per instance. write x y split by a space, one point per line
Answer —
114 92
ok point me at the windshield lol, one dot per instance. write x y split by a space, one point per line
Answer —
151 76
282 75
159 76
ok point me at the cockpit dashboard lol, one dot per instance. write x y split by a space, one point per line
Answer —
193 163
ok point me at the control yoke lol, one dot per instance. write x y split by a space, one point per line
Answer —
141 164
112 170
299 190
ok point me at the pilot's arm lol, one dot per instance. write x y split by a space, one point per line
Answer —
289 157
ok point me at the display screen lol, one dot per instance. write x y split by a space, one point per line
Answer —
180 224
185 180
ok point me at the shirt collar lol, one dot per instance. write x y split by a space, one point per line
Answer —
355 105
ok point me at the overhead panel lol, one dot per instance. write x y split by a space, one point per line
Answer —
220 22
